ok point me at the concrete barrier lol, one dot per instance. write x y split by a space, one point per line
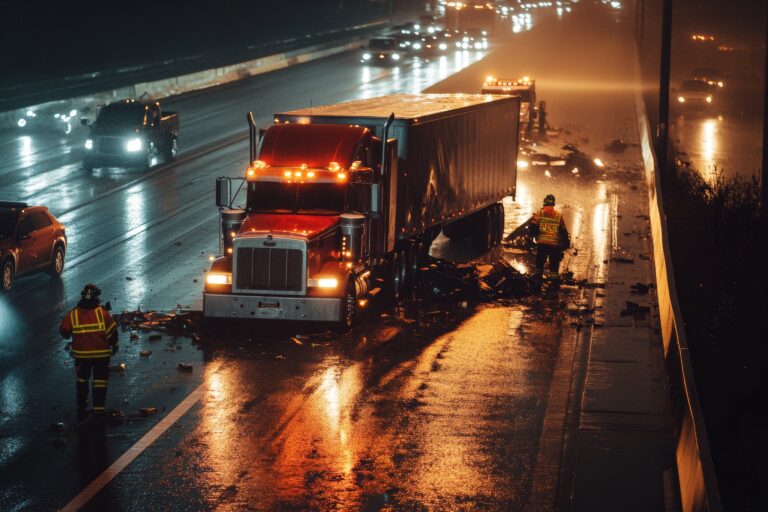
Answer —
198 80
696 471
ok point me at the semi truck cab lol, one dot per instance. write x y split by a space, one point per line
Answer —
302 251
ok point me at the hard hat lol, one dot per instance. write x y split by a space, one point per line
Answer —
90 292
549 200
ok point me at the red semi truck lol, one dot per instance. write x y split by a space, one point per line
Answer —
343 201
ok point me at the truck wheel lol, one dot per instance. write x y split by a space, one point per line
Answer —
7 275
348 315
412 266
482 237
396 274
500 223
57 262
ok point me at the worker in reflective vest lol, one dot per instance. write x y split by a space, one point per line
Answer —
94 341
552 238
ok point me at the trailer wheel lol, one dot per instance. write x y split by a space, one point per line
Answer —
500 218
412 267
482 237
396 275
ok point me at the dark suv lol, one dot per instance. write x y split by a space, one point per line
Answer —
31 239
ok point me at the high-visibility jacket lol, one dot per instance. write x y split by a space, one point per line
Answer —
548 221
93 332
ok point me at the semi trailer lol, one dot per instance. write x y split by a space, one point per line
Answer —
344 201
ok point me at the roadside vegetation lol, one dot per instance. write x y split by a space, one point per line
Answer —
720 255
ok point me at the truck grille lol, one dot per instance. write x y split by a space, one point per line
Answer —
272 269
109 144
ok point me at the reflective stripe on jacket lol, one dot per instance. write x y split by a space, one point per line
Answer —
548 220
91 330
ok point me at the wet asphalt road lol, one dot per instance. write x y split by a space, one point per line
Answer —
424 407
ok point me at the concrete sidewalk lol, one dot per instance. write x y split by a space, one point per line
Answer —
607 441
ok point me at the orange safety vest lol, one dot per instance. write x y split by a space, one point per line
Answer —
549 221
90 330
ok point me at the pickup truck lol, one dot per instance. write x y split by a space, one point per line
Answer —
131 133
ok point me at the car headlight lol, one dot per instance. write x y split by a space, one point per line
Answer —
443 46
323 282
133 145
417 46
366 56
395 56
681 99
220 278
709 99
22 122
88 143
478 45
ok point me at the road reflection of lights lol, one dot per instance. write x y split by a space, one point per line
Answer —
366 75
600 219
443 66
26 151
136 247
709 143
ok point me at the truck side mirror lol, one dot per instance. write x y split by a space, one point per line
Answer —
223 192
85 121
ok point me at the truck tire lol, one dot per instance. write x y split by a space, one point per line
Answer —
396 275
6 276
57 262
482 237
348 315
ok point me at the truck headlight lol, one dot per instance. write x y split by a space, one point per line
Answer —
219 278
395 56
323 282
88 143
133 145
366 56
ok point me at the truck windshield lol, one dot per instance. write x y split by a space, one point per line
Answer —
128 115
7 222
277 197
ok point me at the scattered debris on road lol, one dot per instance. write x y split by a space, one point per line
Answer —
120 367
185 367
148 411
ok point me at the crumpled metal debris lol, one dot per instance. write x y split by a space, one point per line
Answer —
179 323
446 281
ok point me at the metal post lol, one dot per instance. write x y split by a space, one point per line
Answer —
662 132
764 177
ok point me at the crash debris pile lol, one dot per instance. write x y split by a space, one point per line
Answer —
446 281
181 323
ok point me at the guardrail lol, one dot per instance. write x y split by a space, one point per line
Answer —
695 469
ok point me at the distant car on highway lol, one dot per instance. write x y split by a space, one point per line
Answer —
131 133
381 51
694 94
712 76
31 240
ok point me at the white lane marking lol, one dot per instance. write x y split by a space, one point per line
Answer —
134 451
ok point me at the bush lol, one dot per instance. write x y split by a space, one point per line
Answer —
720 255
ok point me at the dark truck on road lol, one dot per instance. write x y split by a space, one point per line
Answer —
344 201
131 133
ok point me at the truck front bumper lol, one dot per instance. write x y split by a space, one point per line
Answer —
317 309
